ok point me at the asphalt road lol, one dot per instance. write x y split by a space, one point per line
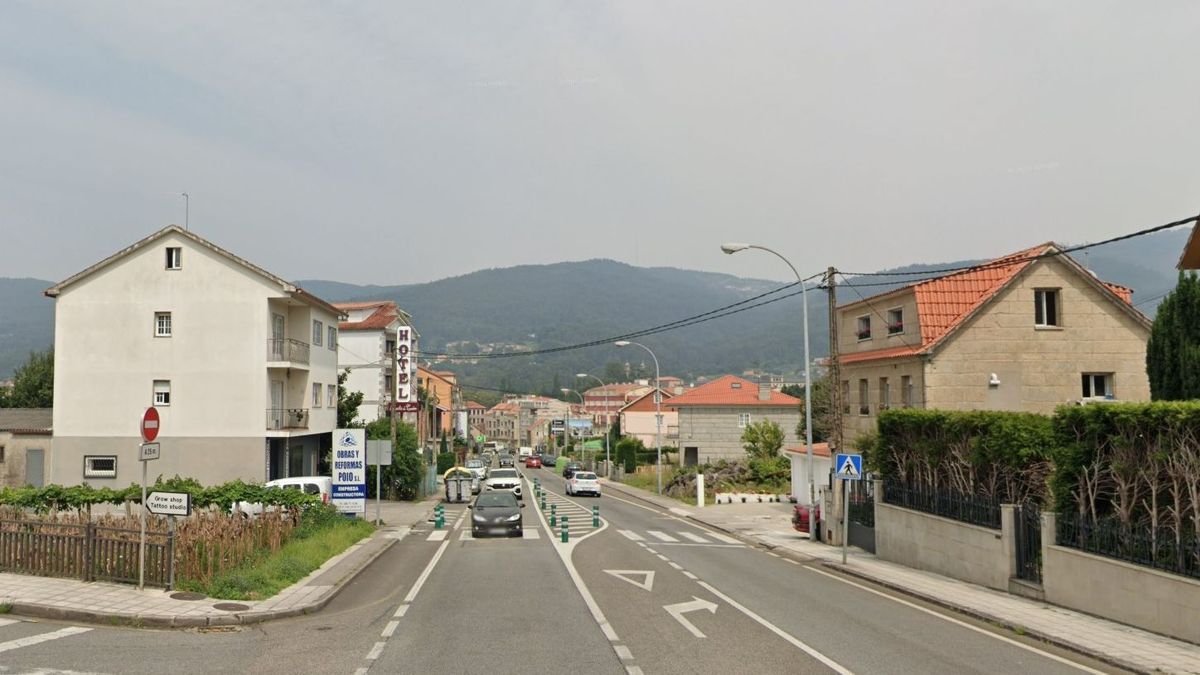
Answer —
645 592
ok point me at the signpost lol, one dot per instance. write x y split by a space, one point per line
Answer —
350 470
379 455
849 467
169 503
148 451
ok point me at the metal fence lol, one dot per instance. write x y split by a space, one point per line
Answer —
87 552
1138 544
944 502
1028 525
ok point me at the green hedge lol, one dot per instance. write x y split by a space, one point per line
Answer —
80 497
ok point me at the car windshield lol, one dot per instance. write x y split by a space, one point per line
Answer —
474 464
585 476
504 473
489 499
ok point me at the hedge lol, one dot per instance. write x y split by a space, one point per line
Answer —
82 497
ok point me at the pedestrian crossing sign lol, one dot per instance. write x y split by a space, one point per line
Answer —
849 467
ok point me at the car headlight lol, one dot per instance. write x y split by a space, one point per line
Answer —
513 518
478 518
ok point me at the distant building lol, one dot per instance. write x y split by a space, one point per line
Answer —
713 417
367 348
638 421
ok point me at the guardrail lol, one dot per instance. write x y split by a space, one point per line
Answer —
287 349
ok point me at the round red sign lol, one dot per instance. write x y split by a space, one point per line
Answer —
150 425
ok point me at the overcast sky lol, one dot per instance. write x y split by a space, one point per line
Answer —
398 142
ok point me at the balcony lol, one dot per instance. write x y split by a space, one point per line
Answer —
285 419
287 349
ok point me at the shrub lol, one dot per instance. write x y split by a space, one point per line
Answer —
445 461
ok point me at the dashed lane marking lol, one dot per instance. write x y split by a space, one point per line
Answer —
376 651
389 629
401 611
689 575
623 652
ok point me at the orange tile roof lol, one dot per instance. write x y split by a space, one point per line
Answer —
819 450
722 391
890 352
385 313
645 402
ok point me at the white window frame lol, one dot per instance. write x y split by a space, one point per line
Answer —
1088 386
1040 318
162 320
331 391
174 260
89 470
743 420
862 324
316 394
895 316
164 400
318 332
331 338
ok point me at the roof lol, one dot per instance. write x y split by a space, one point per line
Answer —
645 402
503 408
945 303
1190 258
473 405
287 287
385 313
730 390
26 420
620 389
819 450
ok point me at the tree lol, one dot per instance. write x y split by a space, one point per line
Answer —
33 383
763 439
822 408
347 403
402 478
614 371
1173 351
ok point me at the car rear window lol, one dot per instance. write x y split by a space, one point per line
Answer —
585 476
496 499
504 473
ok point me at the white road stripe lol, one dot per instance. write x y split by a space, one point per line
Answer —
689 575
389 629
376 651
722 538
44 637
412 594
675 565
964 624
401 611
661 536
530 534
362 671
633 670
437 535
631 535
623 652
5 622
663 557
693 537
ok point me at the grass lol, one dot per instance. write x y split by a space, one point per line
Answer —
268 574
5 608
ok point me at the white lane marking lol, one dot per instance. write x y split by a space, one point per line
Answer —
773 554
661 536
633 670
695 605
398 533
642 544
675 565
646 584
723 538
623 652
401 611
389 629
530 534
833 665
412 594
631 535
362 671
44 637
663 557
792 561
5 622
437 535
690 536
376 651
687 521
689 575
460 520
977 629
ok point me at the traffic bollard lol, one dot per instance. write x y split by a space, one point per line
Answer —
553 515
543 501
565 528
439 517
595 516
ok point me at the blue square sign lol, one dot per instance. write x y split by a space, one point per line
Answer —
849 467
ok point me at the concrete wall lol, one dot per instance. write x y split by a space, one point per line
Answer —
1113 589
12 467
970 553
641 425
362 351
715 431
821 466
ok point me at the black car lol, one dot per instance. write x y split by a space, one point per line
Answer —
506 460
571 468
496 513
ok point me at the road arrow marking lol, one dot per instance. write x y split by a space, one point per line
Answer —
646 583
679 609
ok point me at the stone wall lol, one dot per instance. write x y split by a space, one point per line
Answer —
715 432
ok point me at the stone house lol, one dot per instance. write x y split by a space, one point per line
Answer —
713 417
25 435
1025 332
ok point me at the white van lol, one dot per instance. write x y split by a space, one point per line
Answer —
525 451
321 486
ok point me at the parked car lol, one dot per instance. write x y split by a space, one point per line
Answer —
321 486
548 460
571 468
478 472
507 480
506 460
533 462
496 513
583 482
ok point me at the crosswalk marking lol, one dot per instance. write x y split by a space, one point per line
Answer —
631 535
44 637
661 536
437 535
693 537
530 534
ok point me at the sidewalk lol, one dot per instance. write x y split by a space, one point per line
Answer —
769 525
124 604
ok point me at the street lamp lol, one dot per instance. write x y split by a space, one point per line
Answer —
567 426
657 405
607 423
732 248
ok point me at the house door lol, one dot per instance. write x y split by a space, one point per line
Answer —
691 456
275 418
35 467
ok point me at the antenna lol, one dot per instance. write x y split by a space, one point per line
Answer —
186 209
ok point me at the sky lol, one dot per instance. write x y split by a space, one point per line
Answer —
401 142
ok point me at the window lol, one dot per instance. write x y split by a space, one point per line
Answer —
162 324
845 397
1 453
316 401
99 466
1097 385
895 321
174 258
389 347
864 395
906 391
885 394
162 392
743 420
332 341
318 330
864 328
332 397
387 385
1045 307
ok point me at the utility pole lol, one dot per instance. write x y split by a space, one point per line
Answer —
835 370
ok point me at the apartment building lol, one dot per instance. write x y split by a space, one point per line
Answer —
367 348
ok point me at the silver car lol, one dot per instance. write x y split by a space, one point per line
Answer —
478 470
503 479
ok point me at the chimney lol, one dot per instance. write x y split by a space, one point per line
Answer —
764 389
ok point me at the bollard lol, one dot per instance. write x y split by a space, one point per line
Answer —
543 501
439 517
595 516
553 515
565 536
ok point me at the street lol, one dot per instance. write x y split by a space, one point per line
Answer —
646 591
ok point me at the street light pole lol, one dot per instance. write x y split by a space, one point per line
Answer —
607 423
581 402
657 405
730 249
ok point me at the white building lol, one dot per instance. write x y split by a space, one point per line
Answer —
241 365
367 347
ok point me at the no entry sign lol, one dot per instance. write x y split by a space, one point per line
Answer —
150 425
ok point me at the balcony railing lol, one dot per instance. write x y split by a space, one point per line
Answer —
287 349
279 419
